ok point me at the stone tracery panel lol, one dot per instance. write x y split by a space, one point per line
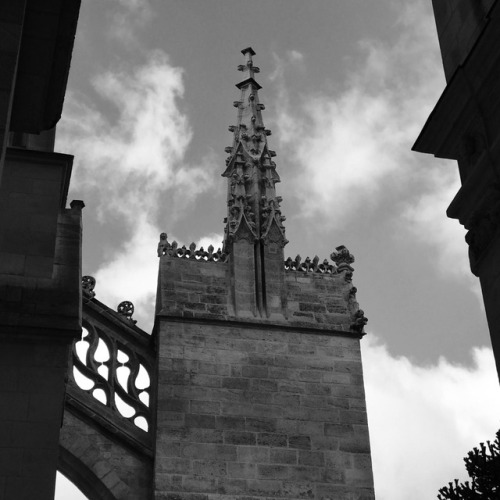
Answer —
107 368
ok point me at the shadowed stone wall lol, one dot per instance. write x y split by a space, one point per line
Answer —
464 126
40 315
101 465
459 24
250 408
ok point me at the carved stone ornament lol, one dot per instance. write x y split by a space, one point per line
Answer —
310 266
124 377
88 285
359 321
342 256
126 309
200 255
244 232
163 245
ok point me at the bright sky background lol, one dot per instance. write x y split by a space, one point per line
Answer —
348 85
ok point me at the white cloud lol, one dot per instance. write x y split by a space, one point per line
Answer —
132 272
429 224
424 419
354 146
136 156
213 239
295 56
129 163
132 275
128 16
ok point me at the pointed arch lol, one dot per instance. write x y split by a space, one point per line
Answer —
82 476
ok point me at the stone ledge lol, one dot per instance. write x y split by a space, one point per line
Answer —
257 324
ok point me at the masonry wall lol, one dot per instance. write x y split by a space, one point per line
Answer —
319 300
246 412
101 466
40 315
192 288
31 406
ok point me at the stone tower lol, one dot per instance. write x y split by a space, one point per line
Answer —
260 386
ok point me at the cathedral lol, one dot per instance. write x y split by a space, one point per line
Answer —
250 385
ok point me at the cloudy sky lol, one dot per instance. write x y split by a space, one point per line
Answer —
348 85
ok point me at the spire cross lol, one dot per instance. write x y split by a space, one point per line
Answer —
249 52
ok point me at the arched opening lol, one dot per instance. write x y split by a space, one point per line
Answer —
66 490
86 484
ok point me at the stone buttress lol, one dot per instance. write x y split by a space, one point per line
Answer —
260 385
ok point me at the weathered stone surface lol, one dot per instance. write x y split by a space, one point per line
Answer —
305 437
258 353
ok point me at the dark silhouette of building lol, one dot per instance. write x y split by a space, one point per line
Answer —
464 126
40 243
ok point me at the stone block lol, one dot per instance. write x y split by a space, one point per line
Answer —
202 421
173 465
239 438
263 385
171 419
339 430
287 400
353 417
205 436
272 439
175 405
266 488
200 484
253 454
230 423
244 470
205 380
283 456
209 407
273 471
167 447
291 387
355 444
230 487
301 473
254 371
235 383
299 442
209 468
311 458
260 425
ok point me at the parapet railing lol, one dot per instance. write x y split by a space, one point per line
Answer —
111 371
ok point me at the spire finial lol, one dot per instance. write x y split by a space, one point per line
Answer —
251 172
254 235
249 52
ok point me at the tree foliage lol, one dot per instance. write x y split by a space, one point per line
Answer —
483 466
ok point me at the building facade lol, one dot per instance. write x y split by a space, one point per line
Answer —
40 244
260 385
250 385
